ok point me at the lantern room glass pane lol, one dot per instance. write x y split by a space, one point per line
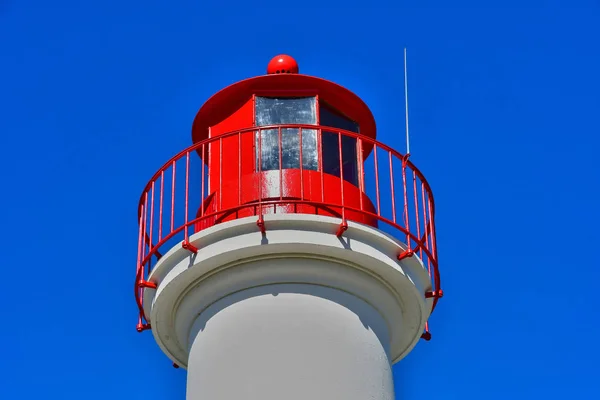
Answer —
275 111
329 117
281 111
331 146
331 156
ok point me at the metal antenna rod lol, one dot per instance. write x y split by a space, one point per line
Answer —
406 103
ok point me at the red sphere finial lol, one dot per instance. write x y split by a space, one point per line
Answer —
282 64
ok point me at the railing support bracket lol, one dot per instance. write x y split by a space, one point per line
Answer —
147 284
261 225
142 327
189 247
436 294
342 228
405 254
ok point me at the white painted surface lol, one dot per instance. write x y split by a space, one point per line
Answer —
217 287
292 342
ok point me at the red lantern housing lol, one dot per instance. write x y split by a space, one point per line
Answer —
265 126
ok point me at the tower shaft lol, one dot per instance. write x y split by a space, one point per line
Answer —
290 341
296 313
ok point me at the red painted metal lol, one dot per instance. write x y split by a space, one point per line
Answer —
301 163
344 224
282 64
436 294
405 254
405 210
234 192
188 246
147 284
234 98
186 206
342 228
141 327
173 198
261 224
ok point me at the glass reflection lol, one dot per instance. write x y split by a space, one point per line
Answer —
275 111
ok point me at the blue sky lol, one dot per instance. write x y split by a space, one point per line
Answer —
94 97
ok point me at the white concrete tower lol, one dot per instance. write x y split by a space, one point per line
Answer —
287 254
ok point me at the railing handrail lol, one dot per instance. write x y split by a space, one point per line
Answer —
344 132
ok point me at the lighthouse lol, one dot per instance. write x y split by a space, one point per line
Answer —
287 254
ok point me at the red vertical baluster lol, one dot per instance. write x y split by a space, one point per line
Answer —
320 155
173 198
151 217
432 228
279 139
260 222
144 231
425 230
220 174
301 168
160 207
187 187
406 220
202 194
239 189
428 230
341 156
392 188
416 205
376 179
361 172
139 274
436 273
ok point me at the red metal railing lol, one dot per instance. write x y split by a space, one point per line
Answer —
199 176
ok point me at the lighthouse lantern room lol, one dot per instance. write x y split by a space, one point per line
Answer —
287 253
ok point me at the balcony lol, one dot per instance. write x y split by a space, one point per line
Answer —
300 169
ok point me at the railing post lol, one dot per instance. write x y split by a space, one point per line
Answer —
144 225
376 178
301 165
417 222
220 174
239 150
173 165
406 220
160 210
202 194
186 241
260 222
151 218
361 172
392 187
344 225
321 169
187 191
